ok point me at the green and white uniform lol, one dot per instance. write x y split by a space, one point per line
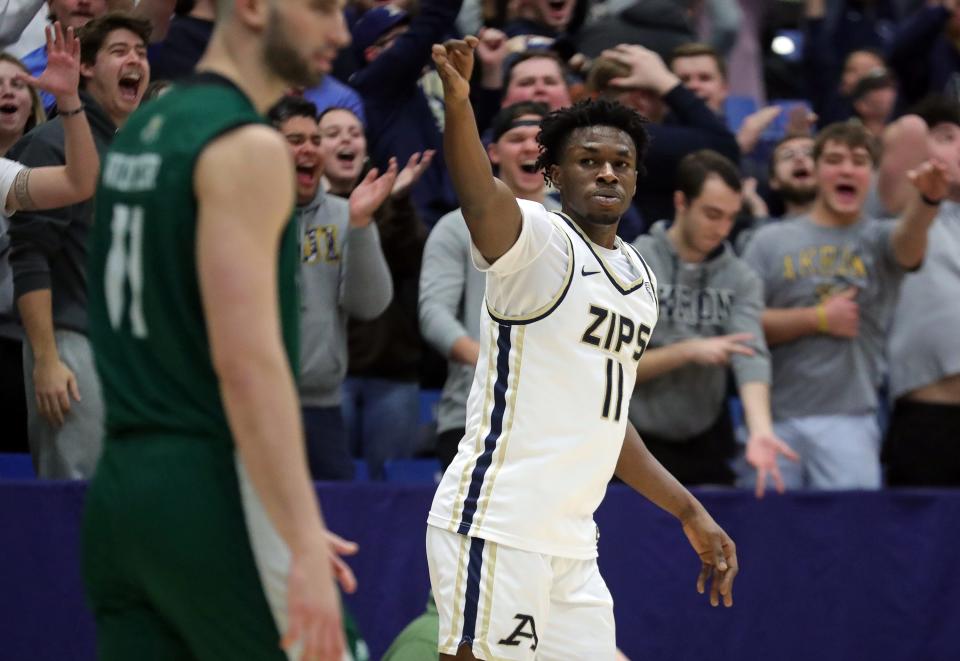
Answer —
180 560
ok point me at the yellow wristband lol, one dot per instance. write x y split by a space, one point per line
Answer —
822 324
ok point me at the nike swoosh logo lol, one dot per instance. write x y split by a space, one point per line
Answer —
584 271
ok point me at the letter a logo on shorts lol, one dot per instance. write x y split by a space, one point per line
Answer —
520 631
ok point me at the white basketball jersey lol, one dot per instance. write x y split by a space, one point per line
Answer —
547 411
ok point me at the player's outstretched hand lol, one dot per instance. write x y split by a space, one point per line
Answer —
61 78
340 547
370 193
454 62
762 451
313 607
411 172
718 555
930 178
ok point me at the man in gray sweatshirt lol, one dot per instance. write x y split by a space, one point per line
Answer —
710 306
451 288
343 274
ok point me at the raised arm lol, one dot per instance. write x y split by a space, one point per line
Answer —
238 286
489 206
61 185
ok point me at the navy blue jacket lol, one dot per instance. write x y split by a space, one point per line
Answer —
690 126
399 119
923 58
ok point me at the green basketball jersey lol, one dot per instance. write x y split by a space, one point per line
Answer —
147 323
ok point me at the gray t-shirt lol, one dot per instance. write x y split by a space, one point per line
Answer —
801 264
923 344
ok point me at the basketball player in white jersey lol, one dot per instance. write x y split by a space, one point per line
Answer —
568 311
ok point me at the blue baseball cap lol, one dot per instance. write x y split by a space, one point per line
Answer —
375 23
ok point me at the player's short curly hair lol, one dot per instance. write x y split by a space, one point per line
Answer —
555 129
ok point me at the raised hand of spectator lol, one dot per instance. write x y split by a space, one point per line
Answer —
754 125
340 547
718 350
840 314
718 556
54 384
752 199
930 179
800 121
762 451
454 62
492 50
411 172
370 193
61 78
647 69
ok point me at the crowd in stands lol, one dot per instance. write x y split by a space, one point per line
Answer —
799 205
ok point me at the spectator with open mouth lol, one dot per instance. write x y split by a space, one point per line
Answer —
831 279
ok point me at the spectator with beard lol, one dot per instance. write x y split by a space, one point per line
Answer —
343 274
924 355
451 288
831 279
381 394
791 182
49 258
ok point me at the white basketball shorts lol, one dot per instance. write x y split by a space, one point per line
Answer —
511 604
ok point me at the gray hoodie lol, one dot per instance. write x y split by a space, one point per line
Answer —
718 296
343 273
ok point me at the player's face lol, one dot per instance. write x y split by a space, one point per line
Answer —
302 38
344 148
555 14
701 75
77 13
943 143
516 155
15 101
537 79
597 175
120 75
303 136
706 221
793 170
843 177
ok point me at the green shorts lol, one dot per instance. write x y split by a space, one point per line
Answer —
167 559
